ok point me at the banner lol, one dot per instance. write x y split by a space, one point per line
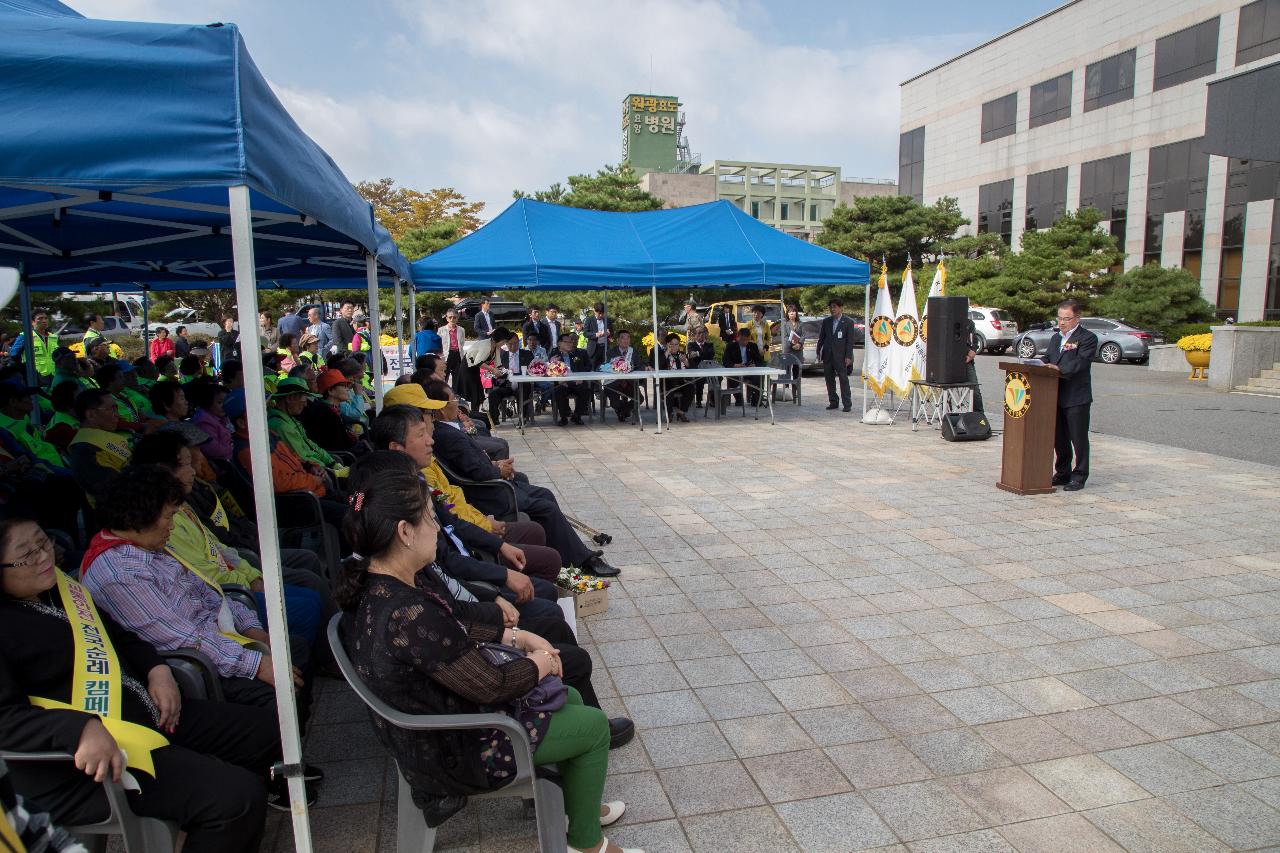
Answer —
906 354
392 356
938 288
875 361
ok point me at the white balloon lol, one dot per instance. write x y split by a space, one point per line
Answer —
8 284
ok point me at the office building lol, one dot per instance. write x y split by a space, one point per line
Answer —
1102 103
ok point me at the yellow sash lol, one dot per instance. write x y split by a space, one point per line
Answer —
9 836
225 621
113 449
96 686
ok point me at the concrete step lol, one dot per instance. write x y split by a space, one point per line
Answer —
1271 372
1265 392
1261 382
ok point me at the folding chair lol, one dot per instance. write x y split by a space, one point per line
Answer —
505 489
412 833
786 361
140 834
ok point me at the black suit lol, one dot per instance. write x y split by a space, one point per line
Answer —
596 348
1075 394
538 329
621 393
733 357
580 391
459 453
679 398
701 355
835 345
727 323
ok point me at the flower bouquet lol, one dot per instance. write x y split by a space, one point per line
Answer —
619 365
578 582
556 368
536 368
1195 343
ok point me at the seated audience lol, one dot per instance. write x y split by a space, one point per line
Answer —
576 361
322 416
63 425
459 452
702 353
744 353
161 345
134 579
418 649
211 760
290 398
680 395
68 368
169 401
209 398
97 451
623 393
16 405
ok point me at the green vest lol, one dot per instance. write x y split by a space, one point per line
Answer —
30 438
296 437
43 349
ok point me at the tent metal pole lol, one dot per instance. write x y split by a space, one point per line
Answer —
146 320
375 329
413 325
866 340
265 507
29 345
399 328
657 383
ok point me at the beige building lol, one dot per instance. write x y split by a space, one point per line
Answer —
793 198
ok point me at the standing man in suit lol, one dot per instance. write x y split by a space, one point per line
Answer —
1071 353
555 326
835 351
971 367
576 361
597 330
744 353
535 327
343 333
483 324
723 317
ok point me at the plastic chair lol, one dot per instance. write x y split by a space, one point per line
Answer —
412 833
787 362
140 834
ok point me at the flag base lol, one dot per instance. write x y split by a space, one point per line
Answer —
877 416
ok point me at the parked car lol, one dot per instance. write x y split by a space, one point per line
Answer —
1117 341
996 329
196 328
502 311
113 329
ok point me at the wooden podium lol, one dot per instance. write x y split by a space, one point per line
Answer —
1030 418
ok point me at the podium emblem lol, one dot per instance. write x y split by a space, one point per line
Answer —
1017 395
904 329
881 330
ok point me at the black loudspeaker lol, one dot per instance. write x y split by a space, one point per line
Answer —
947 339
965 426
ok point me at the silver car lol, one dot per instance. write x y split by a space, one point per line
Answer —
1117 340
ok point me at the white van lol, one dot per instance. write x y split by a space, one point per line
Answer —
996 328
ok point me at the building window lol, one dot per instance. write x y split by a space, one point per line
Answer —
999 117
1051 100
1104 186
1176 177
995 209
755 209
786 211
1259 33
813 213
1046 198
911 164
1186 55
1109 81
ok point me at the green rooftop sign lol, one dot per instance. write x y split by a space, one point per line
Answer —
650 132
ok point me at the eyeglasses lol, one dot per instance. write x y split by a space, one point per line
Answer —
45 544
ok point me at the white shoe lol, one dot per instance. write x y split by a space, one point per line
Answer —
613 813
605 846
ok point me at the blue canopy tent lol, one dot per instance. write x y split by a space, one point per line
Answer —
157 153
533 245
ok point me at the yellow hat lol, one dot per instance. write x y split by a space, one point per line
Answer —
411 394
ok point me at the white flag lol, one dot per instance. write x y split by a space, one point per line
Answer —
906 355
875 361
938 288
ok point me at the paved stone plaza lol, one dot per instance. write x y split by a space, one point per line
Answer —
840 637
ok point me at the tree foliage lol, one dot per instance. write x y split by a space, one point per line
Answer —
1070 260
1155 297
611 188
402 209
892 227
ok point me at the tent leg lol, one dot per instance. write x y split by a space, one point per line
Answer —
399 329
29 342
264 499
375 329
413 326
657 386
146 320
866 342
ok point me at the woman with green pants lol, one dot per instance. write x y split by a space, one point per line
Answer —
417 647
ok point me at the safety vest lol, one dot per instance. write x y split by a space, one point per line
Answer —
43 349
96 683
363 343
113 449
31 439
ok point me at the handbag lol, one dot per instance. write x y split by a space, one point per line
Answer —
548 696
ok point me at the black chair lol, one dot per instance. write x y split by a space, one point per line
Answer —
505 490
791 367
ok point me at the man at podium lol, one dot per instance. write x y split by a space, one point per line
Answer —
1071 352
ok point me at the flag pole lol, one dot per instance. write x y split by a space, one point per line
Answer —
866 338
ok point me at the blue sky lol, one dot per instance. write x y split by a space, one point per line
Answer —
487 96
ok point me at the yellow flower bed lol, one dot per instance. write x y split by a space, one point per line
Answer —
388 340
646 343
1196 343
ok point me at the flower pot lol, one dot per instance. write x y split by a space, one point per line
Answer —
1199 361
